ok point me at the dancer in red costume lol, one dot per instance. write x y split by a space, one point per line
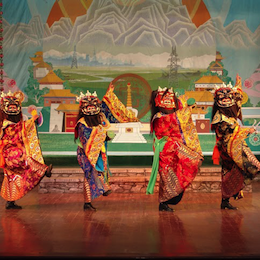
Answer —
94 119
177 151
20 152
239 165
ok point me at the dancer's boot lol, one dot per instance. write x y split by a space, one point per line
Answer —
88 206
107 192
164 207
12 205
226 205
48 172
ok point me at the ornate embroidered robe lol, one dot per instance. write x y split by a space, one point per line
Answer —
239 165
181 156
21 158
92 145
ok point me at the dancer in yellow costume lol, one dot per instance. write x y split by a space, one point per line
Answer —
94 119
20 152
239 165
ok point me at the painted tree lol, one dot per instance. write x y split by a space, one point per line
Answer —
33 90
58 72
224 77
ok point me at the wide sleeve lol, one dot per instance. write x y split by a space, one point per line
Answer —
91 140
83 135
31 140
188 130
115 110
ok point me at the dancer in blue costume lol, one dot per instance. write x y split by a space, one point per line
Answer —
93 121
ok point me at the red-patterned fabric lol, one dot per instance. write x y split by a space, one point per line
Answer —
178 164
21 172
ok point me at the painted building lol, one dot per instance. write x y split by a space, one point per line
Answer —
51 81
38 58
59 96
207 82
70 112
41 70
217 67
203 96
203 99
57 99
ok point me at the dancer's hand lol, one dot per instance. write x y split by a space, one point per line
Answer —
252 130
32 110
111 87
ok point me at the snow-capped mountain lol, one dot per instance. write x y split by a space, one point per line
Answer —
131 35
149 27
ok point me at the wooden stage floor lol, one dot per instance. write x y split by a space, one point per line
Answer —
129 226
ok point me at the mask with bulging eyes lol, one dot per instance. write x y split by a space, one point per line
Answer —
225 97
165 99
11 103
90 105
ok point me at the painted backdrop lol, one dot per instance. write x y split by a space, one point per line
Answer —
55 49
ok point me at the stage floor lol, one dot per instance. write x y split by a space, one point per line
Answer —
129 226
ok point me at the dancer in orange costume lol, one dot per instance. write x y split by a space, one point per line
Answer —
239 165
177 151
91 135
20 152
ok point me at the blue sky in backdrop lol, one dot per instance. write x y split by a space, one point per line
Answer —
27 9
230 10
